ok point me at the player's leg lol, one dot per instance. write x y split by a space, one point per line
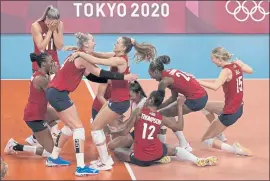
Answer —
52 118
212 108
171 111
43 136
123 154
67 112
184 155
218 126
104 117
121 142
4 168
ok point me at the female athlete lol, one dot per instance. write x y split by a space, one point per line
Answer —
231 79
65 81
37 114
147 122
119 101
178 82
47 34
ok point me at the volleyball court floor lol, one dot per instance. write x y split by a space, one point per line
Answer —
252 131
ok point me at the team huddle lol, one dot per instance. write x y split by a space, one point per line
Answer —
141 138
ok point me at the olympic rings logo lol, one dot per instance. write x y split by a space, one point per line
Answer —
249 13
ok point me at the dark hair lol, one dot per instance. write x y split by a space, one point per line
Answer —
136 87
144 51
39 58
158 97
158 63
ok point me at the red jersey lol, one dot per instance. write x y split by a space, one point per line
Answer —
233 89
97 104
36 107
68 77
51 48
120 88
184 84
147 146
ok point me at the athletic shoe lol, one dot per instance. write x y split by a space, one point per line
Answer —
164 160
85 171
240 150
99 165
50 162
32 141
110 161
209 161
9 147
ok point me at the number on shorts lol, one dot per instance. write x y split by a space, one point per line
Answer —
145 128
239 82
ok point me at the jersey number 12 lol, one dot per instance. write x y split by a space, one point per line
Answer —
239 82
145 128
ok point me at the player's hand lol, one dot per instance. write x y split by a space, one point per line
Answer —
53 25
74 56
181 100
54 68
70 48
113 130
131 77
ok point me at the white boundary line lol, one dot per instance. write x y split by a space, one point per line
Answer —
153 79
93 96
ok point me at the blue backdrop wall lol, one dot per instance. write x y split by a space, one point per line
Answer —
190 53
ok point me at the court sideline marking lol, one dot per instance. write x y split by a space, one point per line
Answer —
93 96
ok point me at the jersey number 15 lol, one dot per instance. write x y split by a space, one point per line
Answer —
239 82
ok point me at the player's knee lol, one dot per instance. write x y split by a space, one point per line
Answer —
67 131
209 142
205 112
78 134
98 137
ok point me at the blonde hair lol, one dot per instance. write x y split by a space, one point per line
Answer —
51 13
81 39
221 53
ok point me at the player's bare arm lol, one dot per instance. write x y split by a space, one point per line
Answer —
124 128
172 99
223 76
41 83
245 68
106 55
58 36
38 39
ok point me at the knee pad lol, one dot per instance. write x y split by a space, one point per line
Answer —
78 134
66 131
98 136
209 142
205 112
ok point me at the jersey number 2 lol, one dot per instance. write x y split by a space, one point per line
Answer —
145 128
239 82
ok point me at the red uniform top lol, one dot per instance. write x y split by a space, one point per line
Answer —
233 89
184 84
36 107
120 88
51 48
97 104
147 146
68 77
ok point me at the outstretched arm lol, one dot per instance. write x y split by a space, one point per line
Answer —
245 67
223 76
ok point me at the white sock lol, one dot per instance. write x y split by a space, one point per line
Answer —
162 138
45 153
181 138
228 148
183 154
80 160
103 152
54 129
55 152
31 149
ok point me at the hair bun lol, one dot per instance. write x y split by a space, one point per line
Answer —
161 93
78 35
33 57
